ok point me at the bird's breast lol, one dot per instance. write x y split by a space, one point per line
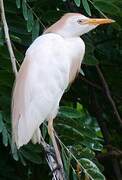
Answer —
76 49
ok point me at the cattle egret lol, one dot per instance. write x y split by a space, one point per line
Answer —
50 65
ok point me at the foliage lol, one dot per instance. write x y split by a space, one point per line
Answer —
87 124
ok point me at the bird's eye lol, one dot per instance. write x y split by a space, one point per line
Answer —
80 21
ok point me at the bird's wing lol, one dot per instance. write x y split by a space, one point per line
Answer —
40 83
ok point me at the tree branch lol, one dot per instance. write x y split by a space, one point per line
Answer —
109 155
97 111
52 161
113 153
108 94
91 83
7 37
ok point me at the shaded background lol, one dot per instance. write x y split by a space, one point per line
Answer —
89 122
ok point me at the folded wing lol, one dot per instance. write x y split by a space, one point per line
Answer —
39 86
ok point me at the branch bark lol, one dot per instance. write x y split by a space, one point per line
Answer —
108 94
7 37
52 161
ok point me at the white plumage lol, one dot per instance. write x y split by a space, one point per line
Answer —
50 65
41 82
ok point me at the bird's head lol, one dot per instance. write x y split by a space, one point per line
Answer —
76 24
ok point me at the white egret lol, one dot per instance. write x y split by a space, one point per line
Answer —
50 65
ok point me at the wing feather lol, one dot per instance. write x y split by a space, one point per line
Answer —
39 86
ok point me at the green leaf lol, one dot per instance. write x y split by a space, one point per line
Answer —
14 151
35 30
25 10
90 60
80 151
81 72
69 112
92 144
22 160
74 175
74 130
79 107
66 161
31 155
15 38
91 169
1 37
44 131
86 7
1 123
18 3
5 136
88 132
106 6
11 8
77 2
30 21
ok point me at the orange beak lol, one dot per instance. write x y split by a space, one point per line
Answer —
95 21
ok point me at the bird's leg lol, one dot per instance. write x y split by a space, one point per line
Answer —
52 136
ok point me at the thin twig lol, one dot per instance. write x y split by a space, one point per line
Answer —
98 9
72 155
7 37
108 94
36 15
91 83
